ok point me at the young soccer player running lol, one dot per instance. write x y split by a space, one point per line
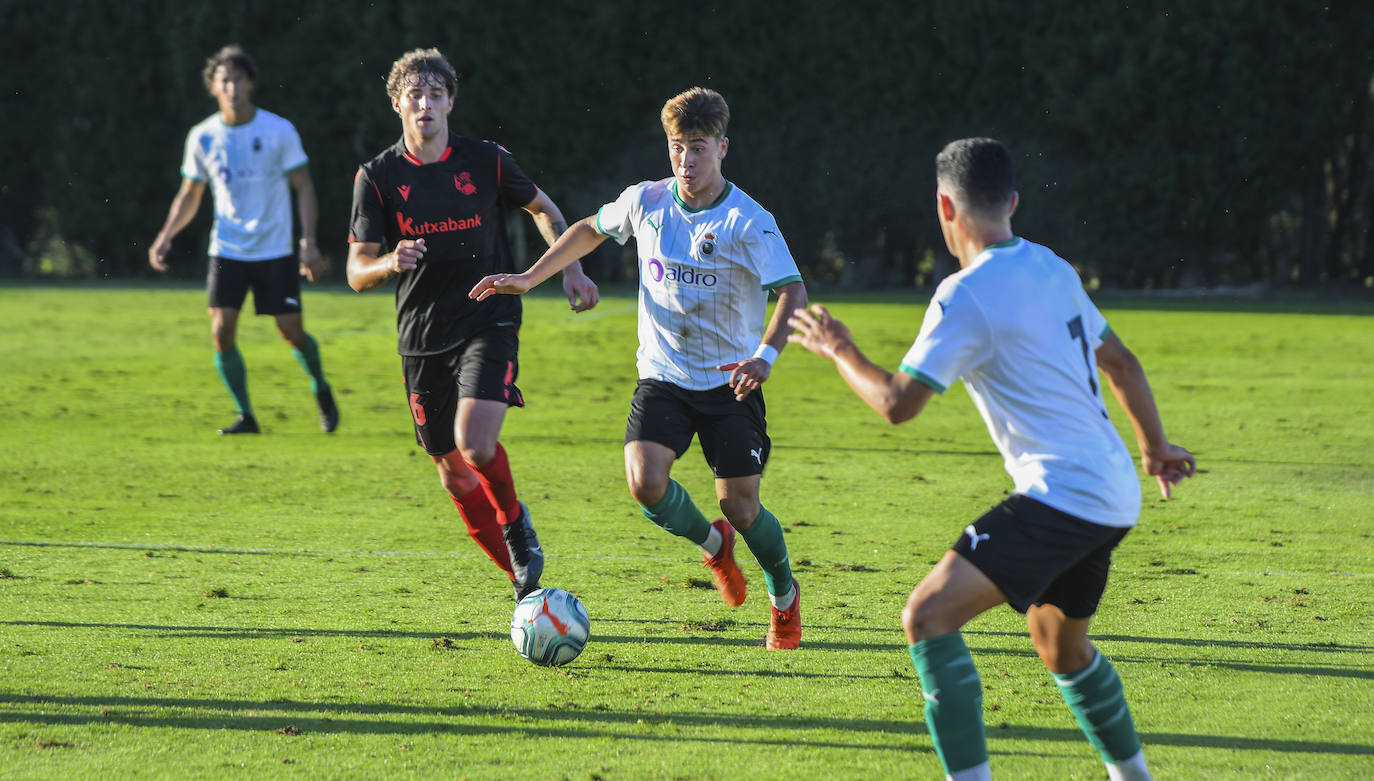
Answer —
708 255
1016 326
251 160
439 201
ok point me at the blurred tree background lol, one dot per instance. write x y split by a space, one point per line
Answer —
1223 142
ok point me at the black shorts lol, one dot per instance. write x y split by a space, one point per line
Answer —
1039 555
482 367
276 284
733 434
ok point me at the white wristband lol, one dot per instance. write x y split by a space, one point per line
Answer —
767 353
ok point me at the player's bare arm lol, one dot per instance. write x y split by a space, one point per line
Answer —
184 207
307 211
577 286
367 269
747 375
897 397
1166 462
572 246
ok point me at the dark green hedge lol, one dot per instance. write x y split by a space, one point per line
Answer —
1213 143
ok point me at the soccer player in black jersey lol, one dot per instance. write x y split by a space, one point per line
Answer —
439 202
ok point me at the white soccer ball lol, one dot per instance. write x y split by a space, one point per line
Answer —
550 627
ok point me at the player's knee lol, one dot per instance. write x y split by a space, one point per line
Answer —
222 338
740 512
457 479
647 492
1062 655
293 337
477 453
921 620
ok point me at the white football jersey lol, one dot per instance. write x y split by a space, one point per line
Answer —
246 167
704 277
1021 332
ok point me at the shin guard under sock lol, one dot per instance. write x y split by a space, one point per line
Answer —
480 518
231 370
765 541
954 700
675 513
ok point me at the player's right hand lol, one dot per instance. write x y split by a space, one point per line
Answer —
1169 466
817 331
157 253
407 255
511 284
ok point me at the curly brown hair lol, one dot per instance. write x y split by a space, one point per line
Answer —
419 66
231 56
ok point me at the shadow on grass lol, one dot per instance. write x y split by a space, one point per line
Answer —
1254 645
693 636
1201 662
395 719
688 636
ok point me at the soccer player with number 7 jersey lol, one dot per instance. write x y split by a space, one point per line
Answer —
708 256
1015 324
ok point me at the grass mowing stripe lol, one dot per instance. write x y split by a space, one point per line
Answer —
325 552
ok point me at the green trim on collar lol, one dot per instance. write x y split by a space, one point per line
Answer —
712 205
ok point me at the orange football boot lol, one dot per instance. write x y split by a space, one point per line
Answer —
784 633
730 582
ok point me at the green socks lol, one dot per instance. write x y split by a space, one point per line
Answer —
765 541
230 366
954 701
309 359
676 513
1095 696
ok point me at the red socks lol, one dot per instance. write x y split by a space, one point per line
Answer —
483 527
500 486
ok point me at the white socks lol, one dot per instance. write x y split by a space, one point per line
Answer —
1133 769
713 542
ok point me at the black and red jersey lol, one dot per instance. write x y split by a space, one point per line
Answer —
458 205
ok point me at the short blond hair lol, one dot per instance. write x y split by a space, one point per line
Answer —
697 111
419 66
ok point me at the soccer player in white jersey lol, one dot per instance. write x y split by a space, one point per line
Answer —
1016 326
708 256
250 159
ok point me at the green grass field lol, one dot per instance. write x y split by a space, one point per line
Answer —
178 604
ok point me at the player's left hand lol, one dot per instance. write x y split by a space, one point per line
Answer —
312 263
580 289
510 284
746 375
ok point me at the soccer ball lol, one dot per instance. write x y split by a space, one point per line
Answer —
550 627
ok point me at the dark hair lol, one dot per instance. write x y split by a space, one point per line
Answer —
418 66
231 56
978 174
698 110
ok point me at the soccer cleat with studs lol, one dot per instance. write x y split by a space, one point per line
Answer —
329 411
245 424
730 582
526 557
784 631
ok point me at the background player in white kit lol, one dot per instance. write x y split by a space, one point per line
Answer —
251 160
1015 324
708 255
